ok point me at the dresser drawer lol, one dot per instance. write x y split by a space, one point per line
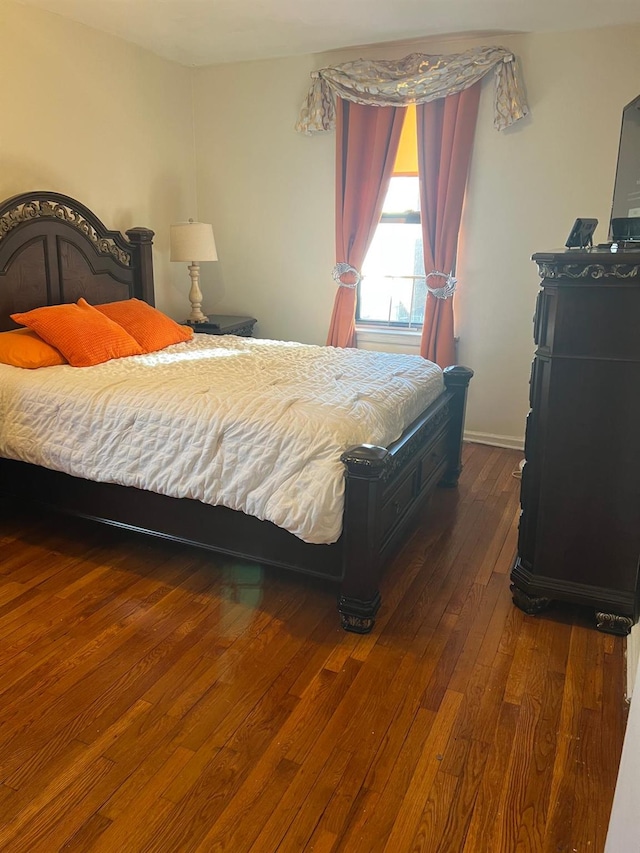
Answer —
598 322
544 320
529 437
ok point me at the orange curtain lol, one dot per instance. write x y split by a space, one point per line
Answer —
366 144
445 139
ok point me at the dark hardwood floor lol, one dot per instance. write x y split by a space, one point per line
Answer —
158 698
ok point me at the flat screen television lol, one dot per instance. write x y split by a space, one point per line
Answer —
625 211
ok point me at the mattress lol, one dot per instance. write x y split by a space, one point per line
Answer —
254 425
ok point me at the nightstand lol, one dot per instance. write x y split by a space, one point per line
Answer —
225 324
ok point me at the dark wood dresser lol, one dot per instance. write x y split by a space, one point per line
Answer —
579 538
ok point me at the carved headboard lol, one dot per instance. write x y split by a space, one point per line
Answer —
54 249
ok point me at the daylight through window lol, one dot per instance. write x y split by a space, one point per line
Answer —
393 287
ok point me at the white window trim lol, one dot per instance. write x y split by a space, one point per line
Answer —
369 337
387 332
405 339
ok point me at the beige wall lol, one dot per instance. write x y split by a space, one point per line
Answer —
103 121
269 193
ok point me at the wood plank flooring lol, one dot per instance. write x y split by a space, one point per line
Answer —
158 698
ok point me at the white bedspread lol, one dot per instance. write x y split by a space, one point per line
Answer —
254 425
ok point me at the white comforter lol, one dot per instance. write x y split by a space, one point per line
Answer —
254 425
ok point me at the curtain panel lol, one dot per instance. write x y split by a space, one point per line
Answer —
367 141
445 140
416 79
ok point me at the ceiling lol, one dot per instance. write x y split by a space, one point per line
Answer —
204 32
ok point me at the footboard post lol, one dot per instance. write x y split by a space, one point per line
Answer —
456 380
359 597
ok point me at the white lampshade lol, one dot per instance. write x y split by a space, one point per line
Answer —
193 241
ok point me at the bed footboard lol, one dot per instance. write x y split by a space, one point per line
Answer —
384 489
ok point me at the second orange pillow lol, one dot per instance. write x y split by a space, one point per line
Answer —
152 329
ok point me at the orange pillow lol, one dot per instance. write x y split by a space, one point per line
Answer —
83 335
23 348
152 329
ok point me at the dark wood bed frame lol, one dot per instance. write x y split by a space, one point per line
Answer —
54 250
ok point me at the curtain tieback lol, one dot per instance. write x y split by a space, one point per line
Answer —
448 288
343 269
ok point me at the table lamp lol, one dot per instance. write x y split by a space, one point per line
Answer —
193 242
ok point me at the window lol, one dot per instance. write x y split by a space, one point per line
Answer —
393 288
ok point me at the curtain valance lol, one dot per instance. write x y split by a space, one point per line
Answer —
416 79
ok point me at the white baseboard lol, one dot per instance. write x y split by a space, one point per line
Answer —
512 442
633 658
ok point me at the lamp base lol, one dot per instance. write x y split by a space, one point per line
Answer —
195 295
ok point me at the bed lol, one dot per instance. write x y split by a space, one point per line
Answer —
54 250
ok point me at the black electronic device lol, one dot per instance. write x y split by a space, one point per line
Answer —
625 229
581 234
625 211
